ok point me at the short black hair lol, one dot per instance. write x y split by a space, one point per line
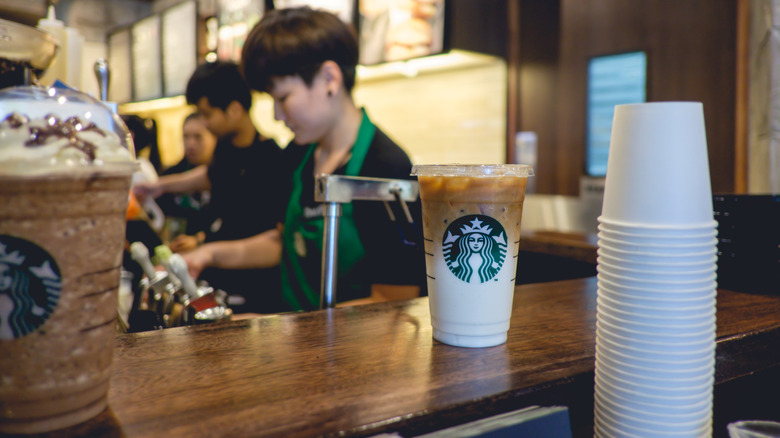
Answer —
192 116
297 41
220 83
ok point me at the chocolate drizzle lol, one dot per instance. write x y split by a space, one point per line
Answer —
54 128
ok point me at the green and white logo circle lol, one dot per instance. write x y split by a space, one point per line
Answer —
30 284
474 248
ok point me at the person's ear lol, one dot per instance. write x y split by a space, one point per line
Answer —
332 77
234 110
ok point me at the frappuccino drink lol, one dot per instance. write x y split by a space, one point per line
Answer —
65 172
471 225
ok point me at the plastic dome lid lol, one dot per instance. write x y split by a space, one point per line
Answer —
55 130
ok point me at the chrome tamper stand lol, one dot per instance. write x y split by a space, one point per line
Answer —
334 190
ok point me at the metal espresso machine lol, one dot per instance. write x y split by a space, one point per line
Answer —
171 296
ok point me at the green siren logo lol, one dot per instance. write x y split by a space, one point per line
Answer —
475 248
30 284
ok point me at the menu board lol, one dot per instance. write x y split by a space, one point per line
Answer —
147 68
394 30
236 19
120 85
179 46
342 8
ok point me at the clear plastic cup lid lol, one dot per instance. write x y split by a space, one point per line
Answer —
472 170
47 130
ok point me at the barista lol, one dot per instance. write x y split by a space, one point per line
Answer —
306 60
243 179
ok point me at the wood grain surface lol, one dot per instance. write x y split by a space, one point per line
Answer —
362 370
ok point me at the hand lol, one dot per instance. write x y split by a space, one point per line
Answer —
183 243
198 260
144 189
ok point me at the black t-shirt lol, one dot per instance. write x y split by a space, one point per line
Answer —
388 258
244 189
246 200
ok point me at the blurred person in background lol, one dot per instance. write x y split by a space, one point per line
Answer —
242 178
187 214
306 61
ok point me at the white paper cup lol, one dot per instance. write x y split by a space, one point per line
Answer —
659 397
656 382
471 226
657 316
658 234
656 282
637 418
668 328
662 346
649 357
673 337
655 254
659 362
672 302
662 265
649 307
656 290
654 271
658 169
695 386
621 428
638 412
657 247
658 407
655 229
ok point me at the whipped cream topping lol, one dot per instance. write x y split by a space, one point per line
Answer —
50 145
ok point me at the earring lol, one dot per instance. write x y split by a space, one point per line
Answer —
330 93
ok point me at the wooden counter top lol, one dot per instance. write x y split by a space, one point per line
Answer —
359 371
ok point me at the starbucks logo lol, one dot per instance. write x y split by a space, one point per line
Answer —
475 248
30 284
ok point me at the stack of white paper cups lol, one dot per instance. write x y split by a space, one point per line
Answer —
655 337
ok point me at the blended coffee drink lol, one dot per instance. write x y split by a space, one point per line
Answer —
64 185
471 226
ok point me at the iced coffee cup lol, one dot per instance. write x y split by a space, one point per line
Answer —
65 173
471 226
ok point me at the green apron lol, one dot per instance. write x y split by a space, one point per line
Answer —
296 290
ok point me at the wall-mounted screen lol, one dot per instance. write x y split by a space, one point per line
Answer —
612 80
342 8
236 19
179 46
147 68
395 30
120 84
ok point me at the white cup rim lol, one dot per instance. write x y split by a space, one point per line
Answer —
650 328
692 344
611 303
672 290
603 269
633 351
683 234
712 268
665 299
713 259
701 415
615 428
660 227
698 334
712 250
656 246
701 409
611 388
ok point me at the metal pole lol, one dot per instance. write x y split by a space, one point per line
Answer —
330 239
